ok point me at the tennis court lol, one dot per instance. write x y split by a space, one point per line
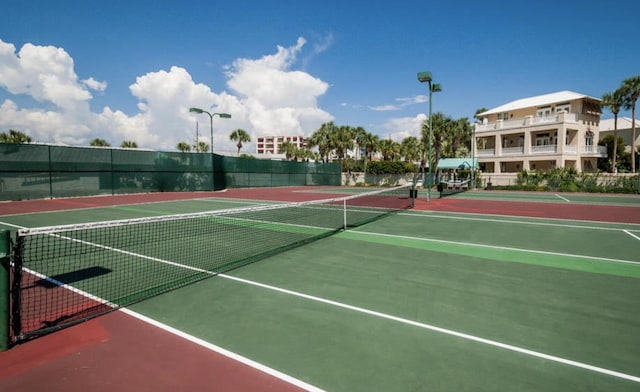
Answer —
481 291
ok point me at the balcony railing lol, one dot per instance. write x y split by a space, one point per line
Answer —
529 121
513 150
597 151
549 148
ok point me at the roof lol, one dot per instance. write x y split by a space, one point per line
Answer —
539 100
623 123
457 163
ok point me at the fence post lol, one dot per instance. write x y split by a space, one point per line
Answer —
4 289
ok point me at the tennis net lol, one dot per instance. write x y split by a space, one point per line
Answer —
62 275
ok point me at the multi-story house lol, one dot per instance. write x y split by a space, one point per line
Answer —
272 145
540 133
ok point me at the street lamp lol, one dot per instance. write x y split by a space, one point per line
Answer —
211 116
433 87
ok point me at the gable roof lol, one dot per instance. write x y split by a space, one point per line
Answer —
539 100
623 123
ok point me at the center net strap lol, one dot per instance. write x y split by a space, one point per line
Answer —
66 274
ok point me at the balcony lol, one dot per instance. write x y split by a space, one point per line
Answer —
529 121
547 149
550 149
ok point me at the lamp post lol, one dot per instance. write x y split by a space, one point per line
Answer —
211 115
433 87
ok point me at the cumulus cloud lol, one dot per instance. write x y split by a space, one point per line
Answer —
94 84
45 73
400 128
268 97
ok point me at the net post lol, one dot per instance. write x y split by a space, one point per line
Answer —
344 214
4 289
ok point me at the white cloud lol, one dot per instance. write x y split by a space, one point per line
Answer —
271 98
384 108
94 84
417 99
45 73
400 128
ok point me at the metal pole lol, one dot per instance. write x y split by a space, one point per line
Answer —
213 170
430 142
4 290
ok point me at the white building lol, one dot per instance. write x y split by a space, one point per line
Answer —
624 130
272 145
539 133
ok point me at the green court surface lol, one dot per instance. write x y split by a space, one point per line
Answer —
420 301
550 197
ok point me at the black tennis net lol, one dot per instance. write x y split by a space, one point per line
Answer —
63 275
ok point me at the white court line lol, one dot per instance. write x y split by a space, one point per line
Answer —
434 328
380 315
222 351
518 222
471 244
631 234
562 198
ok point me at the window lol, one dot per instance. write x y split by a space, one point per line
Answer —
565 107
544 111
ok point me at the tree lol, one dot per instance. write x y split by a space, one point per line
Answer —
619 148
289 150
183 147
239 136
371 144
97 142
459 135
322 139
410 149
342 140
389 149
631 91
128 144
614 101
15 137
201 146
477 115
441 125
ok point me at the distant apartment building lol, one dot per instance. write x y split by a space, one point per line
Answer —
539 133
273 144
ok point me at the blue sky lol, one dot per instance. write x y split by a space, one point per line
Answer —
71 71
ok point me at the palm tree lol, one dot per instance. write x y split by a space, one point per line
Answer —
322 139
371 144
15 137
183 147
441 125
614 101
631 91
410 149
342 140
289 150
240 136
390 149
459 136
97 142
201 146
128 144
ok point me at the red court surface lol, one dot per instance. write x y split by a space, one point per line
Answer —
118 352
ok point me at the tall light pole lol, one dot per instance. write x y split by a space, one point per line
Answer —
433 87
211 115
